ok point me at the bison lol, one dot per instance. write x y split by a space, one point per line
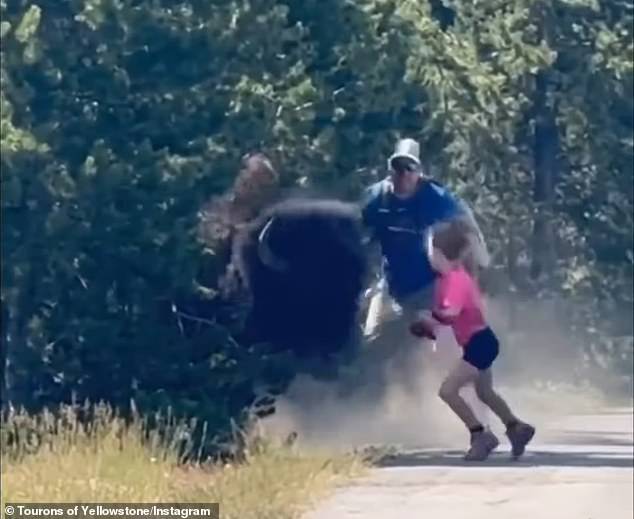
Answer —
304 264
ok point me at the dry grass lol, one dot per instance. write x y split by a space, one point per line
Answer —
112 462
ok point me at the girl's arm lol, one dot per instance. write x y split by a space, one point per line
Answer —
449 300
424 326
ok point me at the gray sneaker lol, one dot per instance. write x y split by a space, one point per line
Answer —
482 444
519 436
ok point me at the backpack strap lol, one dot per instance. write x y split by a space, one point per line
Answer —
384 202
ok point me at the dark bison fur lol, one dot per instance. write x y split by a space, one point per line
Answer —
308 303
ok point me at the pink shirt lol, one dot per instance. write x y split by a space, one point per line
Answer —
457 291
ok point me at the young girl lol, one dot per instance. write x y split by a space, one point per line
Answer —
458 303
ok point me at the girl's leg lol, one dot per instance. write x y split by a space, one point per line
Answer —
518 432
480 409
462 374
483 442
446 356
486 393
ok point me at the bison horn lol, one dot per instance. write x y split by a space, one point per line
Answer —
265 253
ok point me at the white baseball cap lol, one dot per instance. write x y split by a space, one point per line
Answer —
405 148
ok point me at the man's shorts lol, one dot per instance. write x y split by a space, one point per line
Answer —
386 309
413 304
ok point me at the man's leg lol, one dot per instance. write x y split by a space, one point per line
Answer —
378 338
377 309
414 352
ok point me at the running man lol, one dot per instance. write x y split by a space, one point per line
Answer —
398 211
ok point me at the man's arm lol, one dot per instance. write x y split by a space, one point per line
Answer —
370 205
370 202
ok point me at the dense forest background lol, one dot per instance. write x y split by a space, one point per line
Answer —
120 118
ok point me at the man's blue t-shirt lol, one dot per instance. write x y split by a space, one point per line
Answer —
400 224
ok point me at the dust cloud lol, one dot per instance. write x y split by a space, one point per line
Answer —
538 372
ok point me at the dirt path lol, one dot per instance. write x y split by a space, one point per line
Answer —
577 468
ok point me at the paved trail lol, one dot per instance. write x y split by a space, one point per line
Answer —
579 467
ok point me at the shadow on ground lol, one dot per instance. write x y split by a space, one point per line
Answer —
530 460
571 448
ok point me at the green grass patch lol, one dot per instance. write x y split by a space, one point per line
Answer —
58 459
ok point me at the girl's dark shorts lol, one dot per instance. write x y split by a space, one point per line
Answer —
482 349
